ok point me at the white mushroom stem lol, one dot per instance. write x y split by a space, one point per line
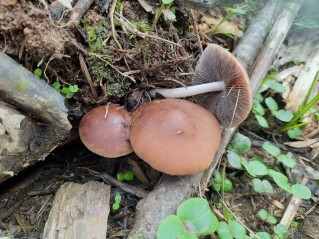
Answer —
188 91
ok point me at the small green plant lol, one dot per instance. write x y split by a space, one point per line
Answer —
263 215
37 72
125 176
117 202
67 92
194 218
220 183
281 231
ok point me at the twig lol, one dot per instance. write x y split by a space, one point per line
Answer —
88 77
78 11
140 193
112 23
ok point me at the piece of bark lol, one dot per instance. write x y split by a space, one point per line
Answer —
79 211
304 81
34 122
164 195
247 50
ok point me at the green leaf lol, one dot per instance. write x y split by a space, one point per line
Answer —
262 121
237 230
258 108
172 228
38 72
238 11
262 235
286 160
167 1
196 215
280 179
240 143
74 88
301 191
117 198
258 97
223 231
69 95
276 86
255 167
283 115
228 185
120 176
129 176
271 220
263 214
281 231
271 149
115 206
294 132
297 61
234 160
229 216
271 104
56 85
263 186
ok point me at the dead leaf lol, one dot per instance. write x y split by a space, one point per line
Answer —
227 27
278 204
169 15
303 144
312 173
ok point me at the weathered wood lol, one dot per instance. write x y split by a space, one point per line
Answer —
79 212
33 118
304 82
247 49
164 195
20 87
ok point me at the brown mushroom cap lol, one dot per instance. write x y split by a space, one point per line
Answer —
174 136
232 105
105 131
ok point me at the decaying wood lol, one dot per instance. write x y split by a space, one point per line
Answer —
164 195
247 50
33 118
304 81
78 11
79 211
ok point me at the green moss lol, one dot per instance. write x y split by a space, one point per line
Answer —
96 33
22 85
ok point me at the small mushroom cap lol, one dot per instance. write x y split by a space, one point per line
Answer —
174 136
232 105
105 131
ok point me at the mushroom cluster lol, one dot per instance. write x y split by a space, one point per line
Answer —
174 136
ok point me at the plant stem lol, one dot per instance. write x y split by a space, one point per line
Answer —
188 91
157 16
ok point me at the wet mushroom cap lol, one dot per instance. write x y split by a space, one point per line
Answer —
105 131
174 136
232 105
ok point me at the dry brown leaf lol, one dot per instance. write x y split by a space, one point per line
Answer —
303 144
227 27
278 204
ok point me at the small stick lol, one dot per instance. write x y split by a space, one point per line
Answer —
87 76
196 31
124 186
112 23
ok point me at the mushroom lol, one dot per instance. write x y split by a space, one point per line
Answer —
175 136
105 131
232 102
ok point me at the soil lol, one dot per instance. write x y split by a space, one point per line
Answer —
38 35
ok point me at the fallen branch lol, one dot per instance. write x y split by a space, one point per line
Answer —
165 195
